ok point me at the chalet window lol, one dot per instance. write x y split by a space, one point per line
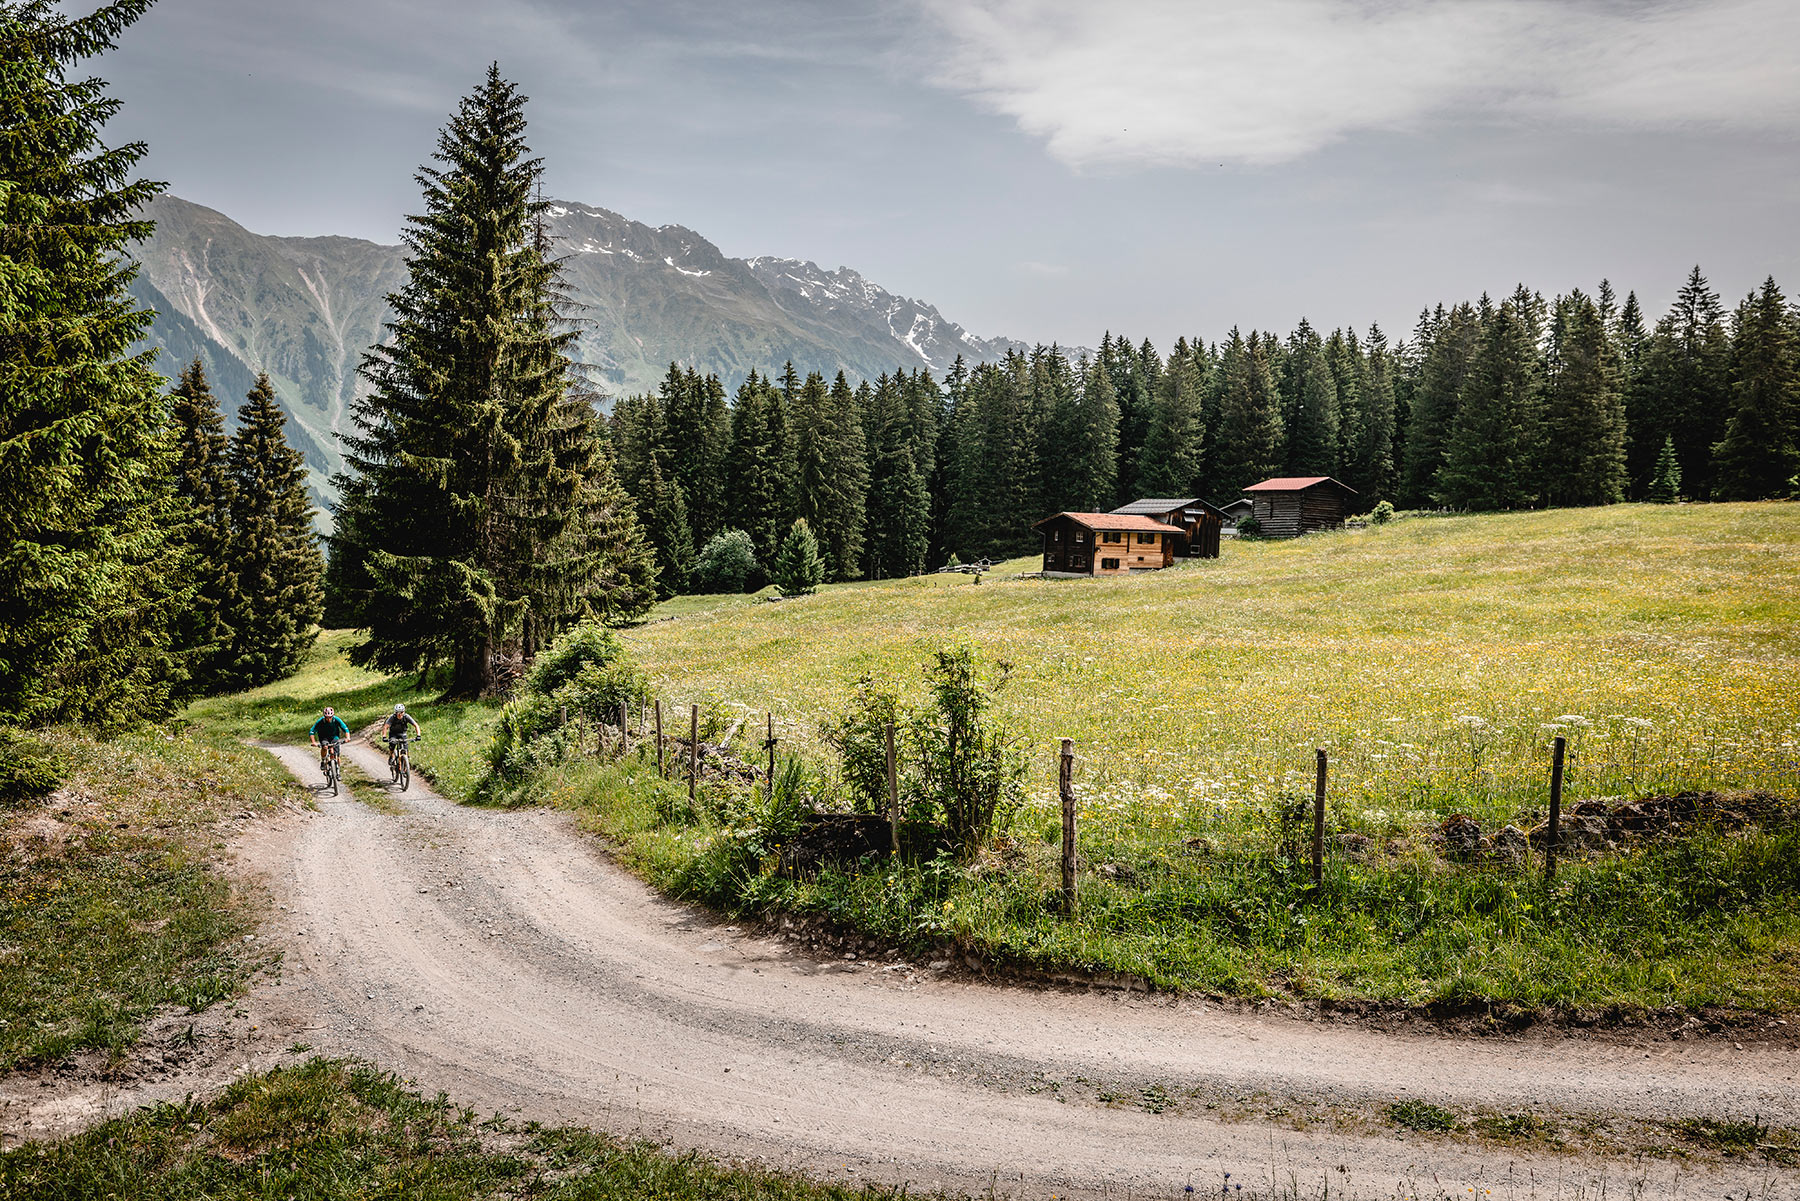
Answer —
1146 538
1111 537
1109 565
1080 537
1056 536
1079 561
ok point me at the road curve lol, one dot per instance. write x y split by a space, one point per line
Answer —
499 956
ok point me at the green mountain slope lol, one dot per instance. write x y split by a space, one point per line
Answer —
305 309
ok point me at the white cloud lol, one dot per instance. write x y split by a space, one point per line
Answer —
1181 82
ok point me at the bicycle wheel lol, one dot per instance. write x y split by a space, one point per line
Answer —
395 772
403 768
332 773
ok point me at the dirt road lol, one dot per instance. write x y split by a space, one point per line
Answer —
498 956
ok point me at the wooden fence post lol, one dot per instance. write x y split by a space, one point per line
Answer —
1065 784
660 773
624 727
693 753
769 792
1553 834
1318 838
893 783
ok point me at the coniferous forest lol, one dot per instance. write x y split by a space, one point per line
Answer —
146 556
1515 404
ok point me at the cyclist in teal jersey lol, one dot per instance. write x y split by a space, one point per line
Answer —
326 732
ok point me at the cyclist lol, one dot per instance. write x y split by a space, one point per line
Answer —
398 722
326 733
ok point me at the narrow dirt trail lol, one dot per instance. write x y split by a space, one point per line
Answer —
497 955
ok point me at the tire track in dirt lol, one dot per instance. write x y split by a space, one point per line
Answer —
499 956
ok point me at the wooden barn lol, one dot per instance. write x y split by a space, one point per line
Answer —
1294 505
1198 522
1236 511
1106 543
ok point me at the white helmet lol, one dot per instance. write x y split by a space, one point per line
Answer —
399 708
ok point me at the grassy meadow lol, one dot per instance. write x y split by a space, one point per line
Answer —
109 907
1434 659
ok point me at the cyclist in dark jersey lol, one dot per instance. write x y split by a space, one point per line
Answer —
398 723
325 732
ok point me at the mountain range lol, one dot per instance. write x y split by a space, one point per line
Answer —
305 309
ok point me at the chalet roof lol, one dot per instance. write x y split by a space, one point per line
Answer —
1298 483
1152 505
1112 521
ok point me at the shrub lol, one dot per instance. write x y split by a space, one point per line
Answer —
727 563
860 739
585 673
29 771
1249 527
970 768
1382 513
798 568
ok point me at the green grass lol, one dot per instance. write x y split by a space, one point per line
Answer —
109 908
331 1129
1433 657
453 756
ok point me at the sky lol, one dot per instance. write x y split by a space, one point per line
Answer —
1044 169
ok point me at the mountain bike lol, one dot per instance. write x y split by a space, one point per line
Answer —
399 761
334 770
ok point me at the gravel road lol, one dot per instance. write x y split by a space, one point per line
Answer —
500 956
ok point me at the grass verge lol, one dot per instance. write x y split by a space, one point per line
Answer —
109 906
331 1129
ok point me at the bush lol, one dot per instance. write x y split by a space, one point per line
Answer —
1382 513
860 739
727 563
585 673
798 568
29 771
1249 527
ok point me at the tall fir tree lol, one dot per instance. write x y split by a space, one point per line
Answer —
1375 451
89 581
1092 436
1169 464
831 479
276 567
203 491
473 463
1759 455
899 506
799 569
663 512
760 484
614 575
1445 343
1490 459
1309 406
1665 483
1682 390
1582 456
1250 436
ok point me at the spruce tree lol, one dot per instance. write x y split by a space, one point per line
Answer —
1169 464
831 479
203 493
1250 436
760 476
1093 441
275 561
1760 453
615 576
1446 342
798 568
1583 440
1309 406
474 463
1490 460
89 580
1683 389
1665 484
664 513
1374 449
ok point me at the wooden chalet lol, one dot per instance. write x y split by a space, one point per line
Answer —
1295 505
1106 543
1198 522
1236 511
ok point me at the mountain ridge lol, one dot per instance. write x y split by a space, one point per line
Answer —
304 309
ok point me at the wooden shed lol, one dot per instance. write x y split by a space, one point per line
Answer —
1198 522
1294 505
1105 543
1236 511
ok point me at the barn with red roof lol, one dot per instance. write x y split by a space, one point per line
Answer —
1292 505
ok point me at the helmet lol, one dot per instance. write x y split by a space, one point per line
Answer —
399 708
328 710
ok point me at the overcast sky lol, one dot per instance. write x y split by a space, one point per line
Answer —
1046 169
